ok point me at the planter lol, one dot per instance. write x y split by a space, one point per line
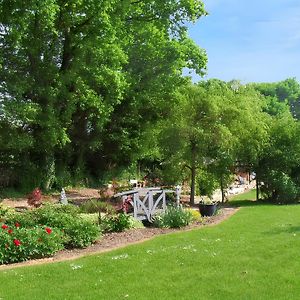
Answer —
207 210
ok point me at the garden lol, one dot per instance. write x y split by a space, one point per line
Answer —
101 95
45 228
250 255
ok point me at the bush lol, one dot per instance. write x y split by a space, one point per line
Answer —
280 188
134 223
115 223
5 211
174 217
196 216
19 243
94 206
78 232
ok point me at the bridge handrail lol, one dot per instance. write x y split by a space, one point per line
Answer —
155 189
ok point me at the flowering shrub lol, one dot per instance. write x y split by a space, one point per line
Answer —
196 216
78 232
174 217
35 198
18 243
65 219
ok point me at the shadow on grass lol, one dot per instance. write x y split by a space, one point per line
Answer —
284 228
246 203
246 199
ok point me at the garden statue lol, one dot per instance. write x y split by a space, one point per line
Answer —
63 197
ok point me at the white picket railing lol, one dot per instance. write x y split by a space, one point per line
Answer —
145 207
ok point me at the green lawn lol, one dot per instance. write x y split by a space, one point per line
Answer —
253 255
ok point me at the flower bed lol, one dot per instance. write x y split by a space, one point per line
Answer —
18 243
42 232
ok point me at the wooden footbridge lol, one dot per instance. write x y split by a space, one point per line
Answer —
147 202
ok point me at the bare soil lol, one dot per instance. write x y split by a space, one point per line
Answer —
113 241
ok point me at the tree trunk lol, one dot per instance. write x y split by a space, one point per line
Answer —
222 189
257 187
49 171
193 171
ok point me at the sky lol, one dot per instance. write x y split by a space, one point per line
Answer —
250 40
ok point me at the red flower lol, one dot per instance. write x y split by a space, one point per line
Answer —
17 243
9 231
4 226
48 230
17 224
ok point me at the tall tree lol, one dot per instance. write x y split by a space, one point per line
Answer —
87 67
214 126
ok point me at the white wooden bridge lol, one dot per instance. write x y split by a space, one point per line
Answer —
147 202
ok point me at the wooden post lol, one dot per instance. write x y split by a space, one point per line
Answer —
164 206
178 192
150 200
135 206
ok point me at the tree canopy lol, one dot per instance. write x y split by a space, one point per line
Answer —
79 77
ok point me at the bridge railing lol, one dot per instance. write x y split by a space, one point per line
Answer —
145 205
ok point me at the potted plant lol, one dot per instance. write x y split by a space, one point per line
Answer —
207 207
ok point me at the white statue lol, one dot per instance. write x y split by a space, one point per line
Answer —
63 197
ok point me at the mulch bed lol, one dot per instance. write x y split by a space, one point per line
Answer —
117 240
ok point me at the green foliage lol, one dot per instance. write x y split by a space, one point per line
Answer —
77 79
174 217
93 206
21 243
277 166
279 187
78 232
281 93
134 223
253 246
207 183
196 216
115 223
214 125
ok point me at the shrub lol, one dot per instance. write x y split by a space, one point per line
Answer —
78 232
174 217
115 223
19 243
196 216
92 218
280 188
134 223
35 198
94 206
25 219
5 211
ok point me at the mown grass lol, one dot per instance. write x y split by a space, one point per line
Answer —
252 255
